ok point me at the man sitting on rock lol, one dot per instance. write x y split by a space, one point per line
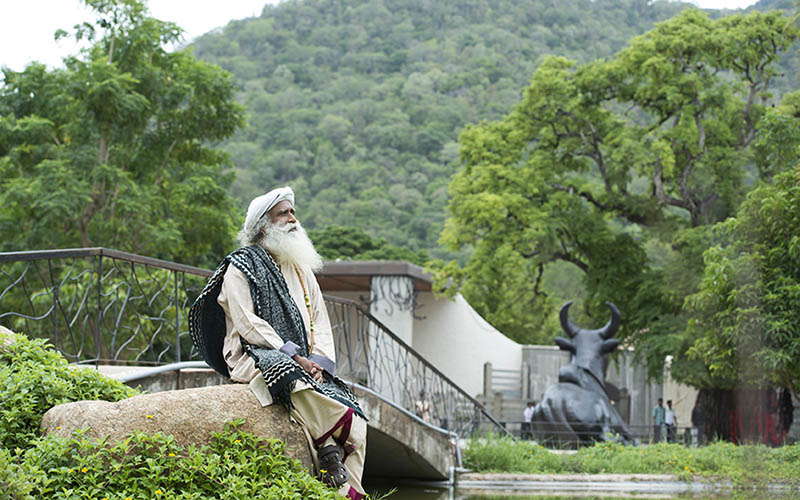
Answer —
261 319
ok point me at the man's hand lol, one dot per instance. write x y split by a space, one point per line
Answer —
312 368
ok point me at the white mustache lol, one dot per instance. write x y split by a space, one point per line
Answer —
285 228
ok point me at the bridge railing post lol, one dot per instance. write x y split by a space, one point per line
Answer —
525 382
497 403
487 380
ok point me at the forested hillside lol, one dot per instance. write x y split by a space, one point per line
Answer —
358 103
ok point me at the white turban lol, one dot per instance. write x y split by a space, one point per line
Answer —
262 204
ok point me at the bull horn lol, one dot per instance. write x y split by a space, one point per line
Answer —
612 326
566 324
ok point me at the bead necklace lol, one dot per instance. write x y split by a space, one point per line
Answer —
308 307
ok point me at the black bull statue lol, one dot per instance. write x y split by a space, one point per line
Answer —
577 409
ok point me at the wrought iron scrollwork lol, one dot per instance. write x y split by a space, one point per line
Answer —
389 292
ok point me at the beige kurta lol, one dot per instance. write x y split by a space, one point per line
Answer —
241 322
315 412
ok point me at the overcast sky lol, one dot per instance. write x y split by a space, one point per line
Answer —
27 26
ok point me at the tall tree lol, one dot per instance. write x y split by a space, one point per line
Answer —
745 316
616 167
114 149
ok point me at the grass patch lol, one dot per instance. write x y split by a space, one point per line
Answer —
742 464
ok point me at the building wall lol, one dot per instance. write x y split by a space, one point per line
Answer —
632 377
683 397
392 303
544 362
458 341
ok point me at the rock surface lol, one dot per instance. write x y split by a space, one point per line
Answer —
190 415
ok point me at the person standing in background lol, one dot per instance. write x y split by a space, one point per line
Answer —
658 420
527 416
698 424
670 422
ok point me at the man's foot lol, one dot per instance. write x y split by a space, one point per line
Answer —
331 469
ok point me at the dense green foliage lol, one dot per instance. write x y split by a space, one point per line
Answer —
358 104
351 243
745 313
235 465
617 167
34 378
113 150
745 465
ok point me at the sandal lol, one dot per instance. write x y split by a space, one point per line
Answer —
331 469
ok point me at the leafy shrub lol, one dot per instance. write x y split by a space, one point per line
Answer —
19 480
235 465
35 378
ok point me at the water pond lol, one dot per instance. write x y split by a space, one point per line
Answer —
528 491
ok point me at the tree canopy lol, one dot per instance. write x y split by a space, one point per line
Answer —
351 243
745 312
603 182
114 149
617 167
743 320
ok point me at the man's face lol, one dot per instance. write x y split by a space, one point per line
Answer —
282 214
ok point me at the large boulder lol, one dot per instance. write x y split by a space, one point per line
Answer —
190 415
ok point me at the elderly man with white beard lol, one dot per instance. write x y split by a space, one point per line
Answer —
261 319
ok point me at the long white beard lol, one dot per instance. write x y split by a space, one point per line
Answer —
291 247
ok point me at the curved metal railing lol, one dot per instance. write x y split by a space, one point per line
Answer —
103 306
369 353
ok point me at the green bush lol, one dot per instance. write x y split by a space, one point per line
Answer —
235 465
34 378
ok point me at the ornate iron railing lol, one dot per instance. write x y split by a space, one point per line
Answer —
103 306
369 353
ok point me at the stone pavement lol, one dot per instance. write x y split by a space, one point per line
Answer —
639 485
